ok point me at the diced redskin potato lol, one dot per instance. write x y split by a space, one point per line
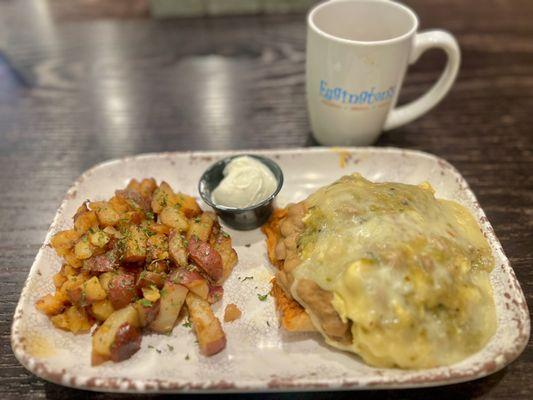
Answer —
135 245
127 342
60 321
172 298
134 199
201 226
192 280
98 238
102 309
59 279
92 290
172 217
105 279
51 304
149 278
162 197
205 257
231 313
107 215
147 187
77 320
147 312
103 263
63 241
157 247
151 293
121 290
119 204
215 294
85 221
72 260
211 337
83 249
188 205
222 244
177 249
160 228
105 335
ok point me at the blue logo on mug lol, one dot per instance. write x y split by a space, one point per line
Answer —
365 97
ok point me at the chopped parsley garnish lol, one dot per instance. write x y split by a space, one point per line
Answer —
187 357
187 324
150 346
171 348
145 303
197 220
150 215
262 297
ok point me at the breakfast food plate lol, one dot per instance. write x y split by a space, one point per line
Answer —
258 356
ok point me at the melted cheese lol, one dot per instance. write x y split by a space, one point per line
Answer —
411 272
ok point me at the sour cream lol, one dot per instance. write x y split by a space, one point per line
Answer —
247 181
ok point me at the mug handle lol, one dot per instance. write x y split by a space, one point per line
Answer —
422 42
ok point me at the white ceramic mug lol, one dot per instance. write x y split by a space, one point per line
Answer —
357 55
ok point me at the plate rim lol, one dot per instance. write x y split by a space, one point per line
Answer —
126 385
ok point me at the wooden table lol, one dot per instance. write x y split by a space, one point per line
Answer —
77 88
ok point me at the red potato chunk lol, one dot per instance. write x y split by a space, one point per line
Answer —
215 294
134 198
149 278
127 342
177 248
192 280
103 263
211 337
172 299
206 257
121 290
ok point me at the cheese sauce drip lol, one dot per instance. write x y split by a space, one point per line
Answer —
411 272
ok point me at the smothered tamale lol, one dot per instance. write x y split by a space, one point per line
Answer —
384 270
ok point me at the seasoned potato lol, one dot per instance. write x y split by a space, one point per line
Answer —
188 205
172 298
207 258
102 309
106 213
147 311
222 244
172 217
85 221
211 337
147 187
63 241
177 249
162 197
192 280
51 304
83 249
134 244
147 279
129 263
157 247
105 335
78 320
92 290
121 290
201 226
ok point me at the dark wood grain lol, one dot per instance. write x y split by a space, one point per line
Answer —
77 91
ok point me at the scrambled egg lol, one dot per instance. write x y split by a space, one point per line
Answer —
411 272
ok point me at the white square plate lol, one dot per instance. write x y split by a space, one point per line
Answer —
259 356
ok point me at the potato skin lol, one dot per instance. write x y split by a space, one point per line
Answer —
121 290
206 257
127 342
